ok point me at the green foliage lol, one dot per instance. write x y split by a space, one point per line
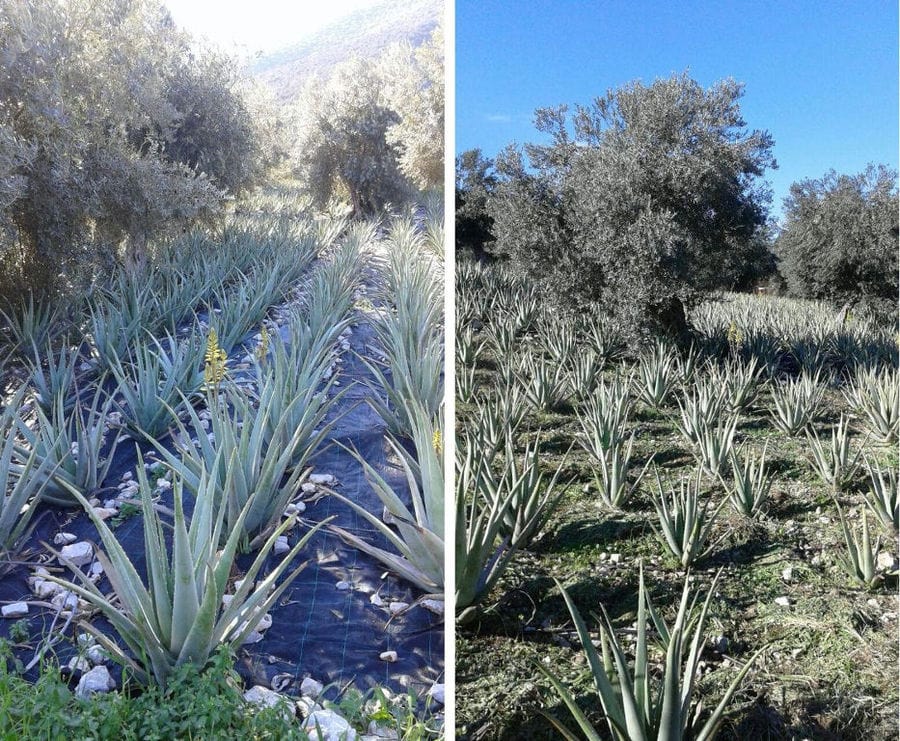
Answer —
839 241
635 709
640 200
178 617
197 703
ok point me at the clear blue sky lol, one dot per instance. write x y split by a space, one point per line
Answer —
821 75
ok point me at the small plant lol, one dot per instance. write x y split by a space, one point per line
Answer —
750 483
53 374
714 445
686 524
70 448
861 556
543 383
657 373
481 554
465 383
611 473
583 373
881 496
557 338
796 403
178 616
874 397
634 708
603 417
419 535
835 464
701 409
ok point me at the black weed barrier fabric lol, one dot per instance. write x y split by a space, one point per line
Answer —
333 635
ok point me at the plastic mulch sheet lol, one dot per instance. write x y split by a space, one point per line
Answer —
335 635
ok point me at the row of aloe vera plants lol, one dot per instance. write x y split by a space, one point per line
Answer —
235 437
698 457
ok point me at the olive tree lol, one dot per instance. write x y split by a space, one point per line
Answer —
839 241
341 148
641 200
475 182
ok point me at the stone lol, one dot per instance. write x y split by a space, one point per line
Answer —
96 654
44 589
787 573
253 637
321 478
309 687
397 607
437 693
782 601
282 681
105 513
94 681
265 622
15 610
376 731
263 697
78 553
376 600
281 545
433 605
615 557
308 488
326 725
79 664
63 600
342 586
886 561
307 705
64 538
389 656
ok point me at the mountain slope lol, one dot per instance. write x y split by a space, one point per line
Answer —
365 33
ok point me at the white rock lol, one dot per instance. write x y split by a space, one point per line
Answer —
252 637
264 697
163 485
342 586
886 561
311 688
321 478
307 705
104 513
376 600
376 731
79 664
433 605
389 656
96 569
64 538
127 476
615 557
78 553
15 610
44 589
96 654
787 573
437 692
308 488
226 600
265 622
782 601
281 545
326 725
93 681
63 600
397 607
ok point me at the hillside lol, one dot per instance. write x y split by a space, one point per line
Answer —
365 33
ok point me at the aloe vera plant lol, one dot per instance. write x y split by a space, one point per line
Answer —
256 466
796 403
494 419
74 446
603 416
657 374
419 535
701 409
178 616
635 709
859 561
611 473
557 338
750 483
584 373
53 374
714 445
835 463
875 398
20 484
543 383
881 496
685 523
482 555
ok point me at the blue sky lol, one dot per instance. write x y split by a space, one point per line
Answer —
821 76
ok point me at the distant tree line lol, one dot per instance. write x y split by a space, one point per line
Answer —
653 195
115 127
372 134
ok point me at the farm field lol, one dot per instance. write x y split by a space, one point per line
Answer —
760 466
201 451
